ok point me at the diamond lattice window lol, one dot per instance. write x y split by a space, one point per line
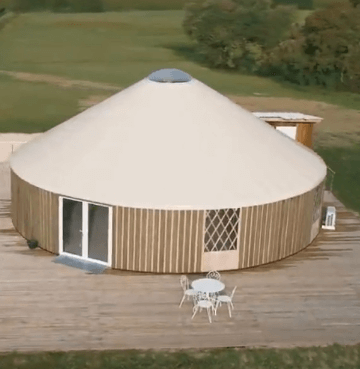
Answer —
221 230
317 202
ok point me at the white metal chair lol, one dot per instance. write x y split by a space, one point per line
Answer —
203 302
188 292
226 299
330 218
214 275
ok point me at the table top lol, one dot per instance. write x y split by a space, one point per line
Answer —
207 285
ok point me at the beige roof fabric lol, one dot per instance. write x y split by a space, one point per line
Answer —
169 146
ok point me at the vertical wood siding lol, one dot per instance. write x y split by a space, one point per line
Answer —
169 241
172 241
166 241
160 241
304 134
35 213
274 231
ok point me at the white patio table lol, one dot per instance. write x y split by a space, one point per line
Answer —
207 285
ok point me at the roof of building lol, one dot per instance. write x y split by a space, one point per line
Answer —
287 117
169 146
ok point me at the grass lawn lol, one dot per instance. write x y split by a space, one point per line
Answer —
331 357
344 158
35 107
121 48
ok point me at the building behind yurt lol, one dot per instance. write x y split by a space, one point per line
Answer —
167 176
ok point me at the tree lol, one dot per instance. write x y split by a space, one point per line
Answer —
324 51
76 6
234 33
301 4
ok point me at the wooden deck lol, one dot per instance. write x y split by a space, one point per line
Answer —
312 298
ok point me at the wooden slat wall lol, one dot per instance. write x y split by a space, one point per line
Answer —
160 241
172 241
304 134
166 241
35 213
274 231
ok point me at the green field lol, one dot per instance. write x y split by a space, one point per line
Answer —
34 107
332 357
345 161
121 48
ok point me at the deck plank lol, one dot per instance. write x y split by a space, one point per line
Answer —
311 298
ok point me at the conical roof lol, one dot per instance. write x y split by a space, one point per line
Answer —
169 142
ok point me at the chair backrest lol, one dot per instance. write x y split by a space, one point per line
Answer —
233 291
214 275
184 281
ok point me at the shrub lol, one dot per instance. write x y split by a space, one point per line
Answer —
86 6
28 5
300 4
234 33
5 18
33 244
325 51
76 6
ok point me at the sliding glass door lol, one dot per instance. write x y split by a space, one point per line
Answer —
85 230
98 239
72 227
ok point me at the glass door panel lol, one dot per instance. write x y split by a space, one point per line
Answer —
98 232
72 227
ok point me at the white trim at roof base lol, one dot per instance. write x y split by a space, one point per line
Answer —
220 260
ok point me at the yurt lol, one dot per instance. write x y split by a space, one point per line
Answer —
167 176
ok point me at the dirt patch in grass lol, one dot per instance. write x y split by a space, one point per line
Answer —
336 120
60 81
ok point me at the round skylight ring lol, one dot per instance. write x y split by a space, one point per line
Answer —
170 75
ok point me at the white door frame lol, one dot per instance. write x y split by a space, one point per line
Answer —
85 231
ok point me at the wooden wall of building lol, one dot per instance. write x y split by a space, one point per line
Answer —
304 131
35 213
274 231
166 241
304 134
170 241
161 241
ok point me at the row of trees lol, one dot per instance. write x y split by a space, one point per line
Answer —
77 6
260 37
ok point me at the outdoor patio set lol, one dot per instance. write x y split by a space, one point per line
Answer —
205 293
